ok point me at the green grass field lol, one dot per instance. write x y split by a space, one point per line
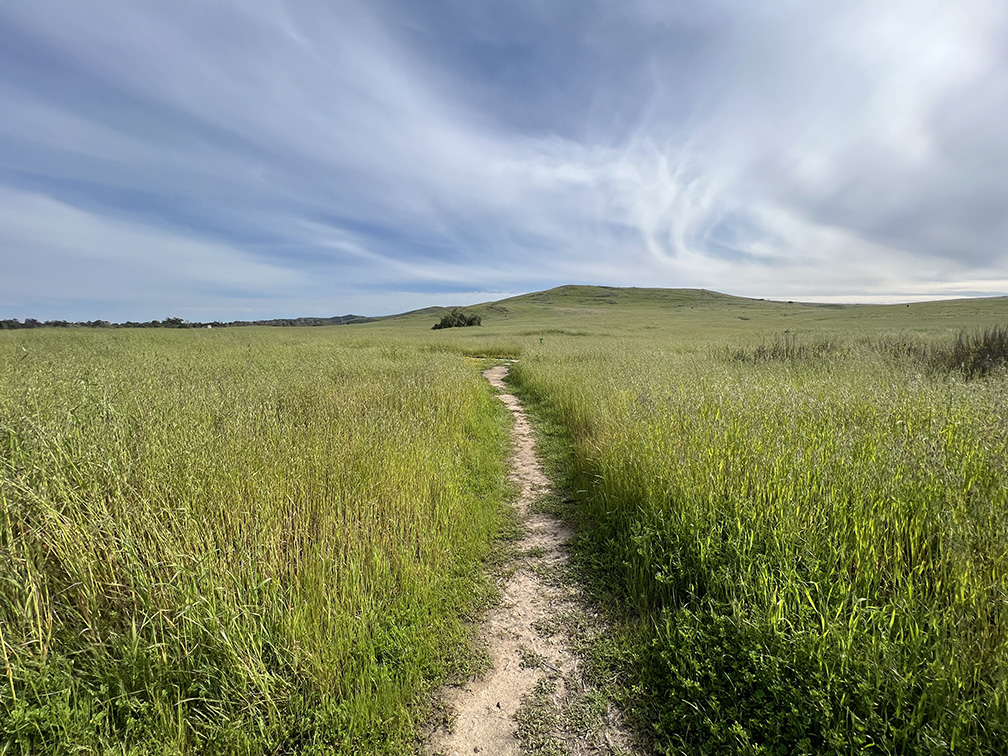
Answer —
237 541
263 540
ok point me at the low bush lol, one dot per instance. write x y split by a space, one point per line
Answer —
457 319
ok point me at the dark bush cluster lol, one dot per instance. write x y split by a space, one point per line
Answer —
457 319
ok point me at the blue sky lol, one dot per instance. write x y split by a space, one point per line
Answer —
260 158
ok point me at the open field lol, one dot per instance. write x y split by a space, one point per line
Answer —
806 535
800 513
237 541
259 540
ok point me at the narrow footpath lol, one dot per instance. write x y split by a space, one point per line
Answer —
533 699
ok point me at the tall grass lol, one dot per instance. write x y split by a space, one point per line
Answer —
979 353
972 354
815 551
236 541
786 347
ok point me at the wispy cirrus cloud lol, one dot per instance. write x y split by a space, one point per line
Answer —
277 158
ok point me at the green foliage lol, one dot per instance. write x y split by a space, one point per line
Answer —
457 319
236 542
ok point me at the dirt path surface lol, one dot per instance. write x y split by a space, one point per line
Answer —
526 702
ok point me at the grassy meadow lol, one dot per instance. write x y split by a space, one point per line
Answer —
269 540
237 541
800 517
797 514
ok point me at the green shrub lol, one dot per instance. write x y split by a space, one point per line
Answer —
457 319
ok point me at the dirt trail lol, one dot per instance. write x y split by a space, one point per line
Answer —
520 704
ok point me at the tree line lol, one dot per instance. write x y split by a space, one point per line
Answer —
11 324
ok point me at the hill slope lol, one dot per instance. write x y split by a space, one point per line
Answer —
584 310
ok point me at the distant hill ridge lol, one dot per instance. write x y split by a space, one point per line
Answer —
570 299
13 323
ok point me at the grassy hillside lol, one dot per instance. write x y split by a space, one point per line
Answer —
706 315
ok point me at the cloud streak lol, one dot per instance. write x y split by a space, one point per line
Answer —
281 158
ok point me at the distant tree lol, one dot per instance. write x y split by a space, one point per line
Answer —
457 319
173 322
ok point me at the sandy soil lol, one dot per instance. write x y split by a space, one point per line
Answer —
523 655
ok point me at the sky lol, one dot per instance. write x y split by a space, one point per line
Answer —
235 159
